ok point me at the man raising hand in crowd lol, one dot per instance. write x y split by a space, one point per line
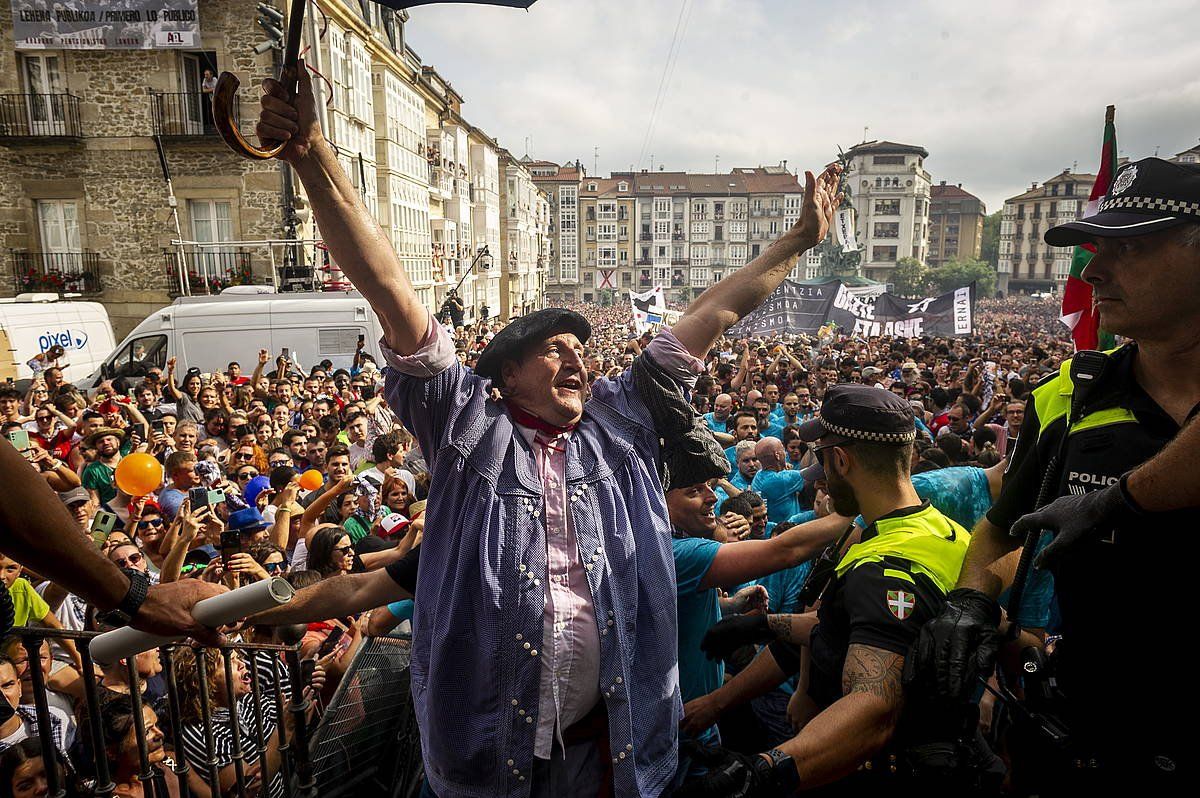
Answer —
544 642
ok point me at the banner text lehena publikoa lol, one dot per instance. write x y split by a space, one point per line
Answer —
105 24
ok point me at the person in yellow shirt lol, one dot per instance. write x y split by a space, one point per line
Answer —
27 604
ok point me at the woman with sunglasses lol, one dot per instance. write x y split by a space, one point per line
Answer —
130 555
263 561
149 528
330 552
50 434
249 452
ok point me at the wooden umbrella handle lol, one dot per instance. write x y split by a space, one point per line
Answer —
225 95
224 99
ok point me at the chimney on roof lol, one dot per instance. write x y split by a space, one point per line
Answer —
1033 185
785 164
943 182
960 185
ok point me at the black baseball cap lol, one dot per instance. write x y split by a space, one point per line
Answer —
862 413
1145 197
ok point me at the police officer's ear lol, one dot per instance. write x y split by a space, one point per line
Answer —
838 459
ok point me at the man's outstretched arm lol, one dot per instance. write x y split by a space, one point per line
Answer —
337 597
36 530
353 237
724 303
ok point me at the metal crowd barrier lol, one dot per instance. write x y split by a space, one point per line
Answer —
366 739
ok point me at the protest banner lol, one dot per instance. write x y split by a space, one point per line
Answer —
105 24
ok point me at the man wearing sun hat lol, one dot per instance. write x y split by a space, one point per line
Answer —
1145 278
99 475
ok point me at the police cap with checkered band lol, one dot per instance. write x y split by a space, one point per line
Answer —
1146 196
862 413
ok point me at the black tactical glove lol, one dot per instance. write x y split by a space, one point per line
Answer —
729 634
954 648
732 775
1076 519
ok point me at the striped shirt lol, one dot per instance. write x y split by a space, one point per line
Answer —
195 750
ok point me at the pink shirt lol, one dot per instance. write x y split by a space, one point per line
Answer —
570 684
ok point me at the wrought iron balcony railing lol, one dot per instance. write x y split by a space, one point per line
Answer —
61 272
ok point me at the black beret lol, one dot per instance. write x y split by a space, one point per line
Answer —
512 342
861 412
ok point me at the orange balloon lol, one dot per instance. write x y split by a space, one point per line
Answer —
139 474
311 479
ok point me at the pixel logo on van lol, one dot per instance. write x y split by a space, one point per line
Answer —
67 339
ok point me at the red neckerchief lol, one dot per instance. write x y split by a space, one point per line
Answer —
547 431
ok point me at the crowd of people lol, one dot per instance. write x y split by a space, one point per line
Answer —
664 562
234 445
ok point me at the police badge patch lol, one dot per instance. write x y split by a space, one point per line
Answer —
901 603
1124 180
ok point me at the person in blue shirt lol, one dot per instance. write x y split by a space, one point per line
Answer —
776 483
720 416
745 467
766 425
745 428
702 566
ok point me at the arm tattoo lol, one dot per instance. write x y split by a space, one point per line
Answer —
875 672
781 626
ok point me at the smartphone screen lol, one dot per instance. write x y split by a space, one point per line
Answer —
19 439
157 426
198 498
331 642
102 525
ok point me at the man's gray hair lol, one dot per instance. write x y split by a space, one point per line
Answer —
743 447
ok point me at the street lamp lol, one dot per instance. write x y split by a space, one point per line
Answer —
483 258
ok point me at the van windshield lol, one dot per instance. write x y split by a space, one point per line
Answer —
139 356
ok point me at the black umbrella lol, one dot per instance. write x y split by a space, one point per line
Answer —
399 4
225 94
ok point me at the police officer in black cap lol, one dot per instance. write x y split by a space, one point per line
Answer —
883 589
1123 577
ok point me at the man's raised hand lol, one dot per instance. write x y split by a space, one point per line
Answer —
288 118
821 200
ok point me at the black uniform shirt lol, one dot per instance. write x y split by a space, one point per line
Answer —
879 604
1126 600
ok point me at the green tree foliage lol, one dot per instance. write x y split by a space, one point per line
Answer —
910 278
989 248
957 273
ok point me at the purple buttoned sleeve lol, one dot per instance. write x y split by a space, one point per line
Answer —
430 391
675 359
434 354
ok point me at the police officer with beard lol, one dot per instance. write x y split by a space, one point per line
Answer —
883 589
1123 576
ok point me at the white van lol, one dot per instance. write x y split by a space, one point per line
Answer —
209 332
32 323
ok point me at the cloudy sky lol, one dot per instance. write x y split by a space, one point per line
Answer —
1000 93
